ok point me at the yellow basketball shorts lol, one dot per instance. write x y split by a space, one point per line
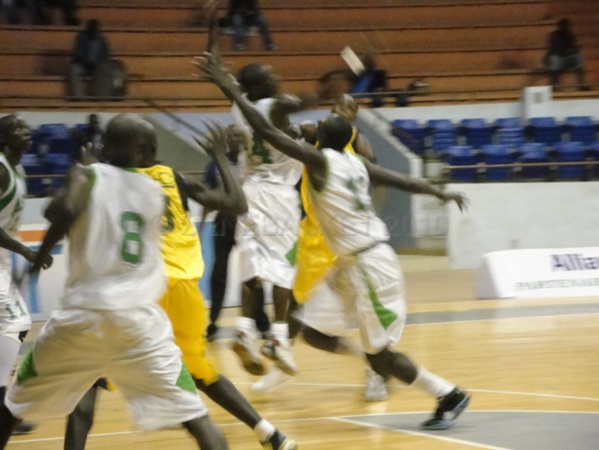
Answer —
314 260
184 305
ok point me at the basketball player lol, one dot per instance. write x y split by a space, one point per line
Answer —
15 140
267 234
366 275
183 301
314 261
110 322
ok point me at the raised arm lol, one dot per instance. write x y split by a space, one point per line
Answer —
386 177
64 209
212 69
230 197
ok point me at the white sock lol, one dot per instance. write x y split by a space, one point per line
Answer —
280 331
9 351
264 430
431 383
248 326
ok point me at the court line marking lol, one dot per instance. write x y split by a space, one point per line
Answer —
487 391
419 434
346 419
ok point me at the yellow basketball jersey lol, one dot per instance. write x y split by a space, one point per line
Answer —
181 247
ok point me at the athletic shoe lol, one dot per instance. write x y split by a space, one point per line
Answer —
376 390
281 354
271 381
453 403
211 332
245 348
23 427
278 441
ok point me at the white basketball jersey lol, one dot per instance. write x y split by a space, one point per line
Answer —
114 246
344 206
264 163
11 205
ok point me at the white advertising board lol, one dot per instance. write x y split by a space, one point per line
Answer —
557 272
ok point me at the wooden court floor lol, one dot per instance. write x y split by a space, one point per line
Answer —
529 364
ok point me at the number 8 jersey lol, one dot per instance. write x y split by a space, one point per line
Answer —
114 246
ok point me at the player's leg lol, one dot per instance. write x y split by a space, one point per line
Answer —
15 322
185 307
81 420
244 344
378 283
225 394
206 434
224 240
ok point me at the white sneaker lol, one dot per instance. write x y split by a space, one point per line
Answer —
376 390
245 347
271 381
281 354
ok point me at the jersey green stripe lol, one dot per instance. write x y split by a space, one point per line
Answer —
386 317
27 369
185 381
8 198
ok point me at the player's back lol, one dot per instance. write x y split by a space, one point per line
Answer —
181 247
264 163
114 245
343 206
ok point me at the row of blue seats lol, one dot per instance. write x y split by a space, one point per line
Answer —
496 154
438 134
54 149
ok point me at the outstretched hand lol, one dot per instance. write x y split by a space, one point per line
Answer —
458 198
39 261
210 64
214 142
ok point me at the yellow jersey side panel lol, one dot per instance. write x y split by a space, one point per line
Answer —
181 247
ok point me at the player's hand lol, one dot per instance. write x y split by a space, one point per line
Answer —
459 199
214 142
87 156
39 261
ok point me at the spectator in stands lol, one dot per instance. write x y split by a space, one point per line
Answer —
89 138
90 50
563 54
367 79
243 14
39 16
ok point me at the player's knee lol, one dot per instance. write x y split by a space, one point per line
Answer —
320 340
380 362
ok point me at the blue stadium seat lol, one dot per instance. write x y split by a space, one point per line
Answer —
497 154
508 122
443 134
58 164
534 152
570 152
64 146
33 166
461 155
59 130
477 132
581 129
511 136
416 134
594 152
545 130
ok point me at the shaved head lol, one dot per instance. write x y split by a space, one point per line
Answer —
129 140
334 132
